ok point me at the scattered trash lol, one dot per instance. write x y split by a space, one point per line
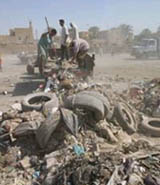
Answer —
79 150
25 163
17 106
36 174
80 132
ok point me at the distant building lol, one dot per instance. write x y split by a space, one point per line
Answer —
103 35
84 35
18 40
18 36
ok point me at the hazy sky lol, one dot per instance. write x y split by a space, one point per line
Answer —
85 13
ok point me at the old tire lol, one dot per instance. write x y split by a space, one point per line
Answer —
70 120
46 129
150 126
100 97
35 101
26 129
50 105
125 118
87 102
110 114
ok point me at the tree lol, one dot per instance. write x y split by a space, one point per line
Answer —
126 30
93 32
158 32
158 29
127 34
145 34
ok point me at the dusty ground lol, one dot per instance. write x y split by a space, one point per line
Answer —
17 83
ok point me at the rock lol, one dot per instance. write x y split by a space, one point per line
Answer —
9 115
52 161
17 107
5 92
135 179
104 131
34 161
25 162
124 137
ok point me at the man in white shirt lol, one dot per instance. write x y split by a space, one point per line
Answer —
74 30
64 37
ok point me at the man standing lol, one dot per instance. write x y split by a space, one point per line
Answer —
44 45
64 39
74 30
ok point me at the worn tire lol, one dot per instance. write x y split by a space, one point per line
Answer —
87 102
46 129
70 120
48 106
28 103
150 126
121 112
110 114
26 129
102 98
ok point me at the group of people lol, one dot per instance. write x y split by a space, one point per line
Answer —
79 47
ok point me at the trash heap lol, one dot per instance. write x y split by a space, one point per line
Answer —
81 133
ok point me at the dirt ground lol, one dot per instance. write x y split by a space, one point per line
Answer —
17 83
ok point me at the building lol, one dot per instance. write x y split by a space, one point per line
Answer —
18 39
103 35
84 35
18 36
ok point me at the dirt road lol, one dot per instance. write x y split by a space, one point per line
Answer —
17 83
128 67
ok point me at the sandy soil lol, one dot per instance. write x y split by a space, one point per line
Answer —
17 83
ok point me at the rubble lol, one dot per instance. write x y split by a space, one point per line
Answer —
82 132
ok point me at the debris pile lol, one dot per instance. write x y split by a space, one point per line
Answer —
81 132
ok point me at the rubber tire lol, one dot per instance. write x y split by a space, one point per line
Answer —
99 96
27 106
70 120
110 114
26 129
46 129
130 128
146 128
48 106
87 102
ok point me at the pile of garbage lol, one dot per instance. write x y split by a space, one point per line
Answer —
80 132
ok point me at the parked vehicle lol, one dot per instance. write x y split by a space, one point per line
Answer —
147 48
